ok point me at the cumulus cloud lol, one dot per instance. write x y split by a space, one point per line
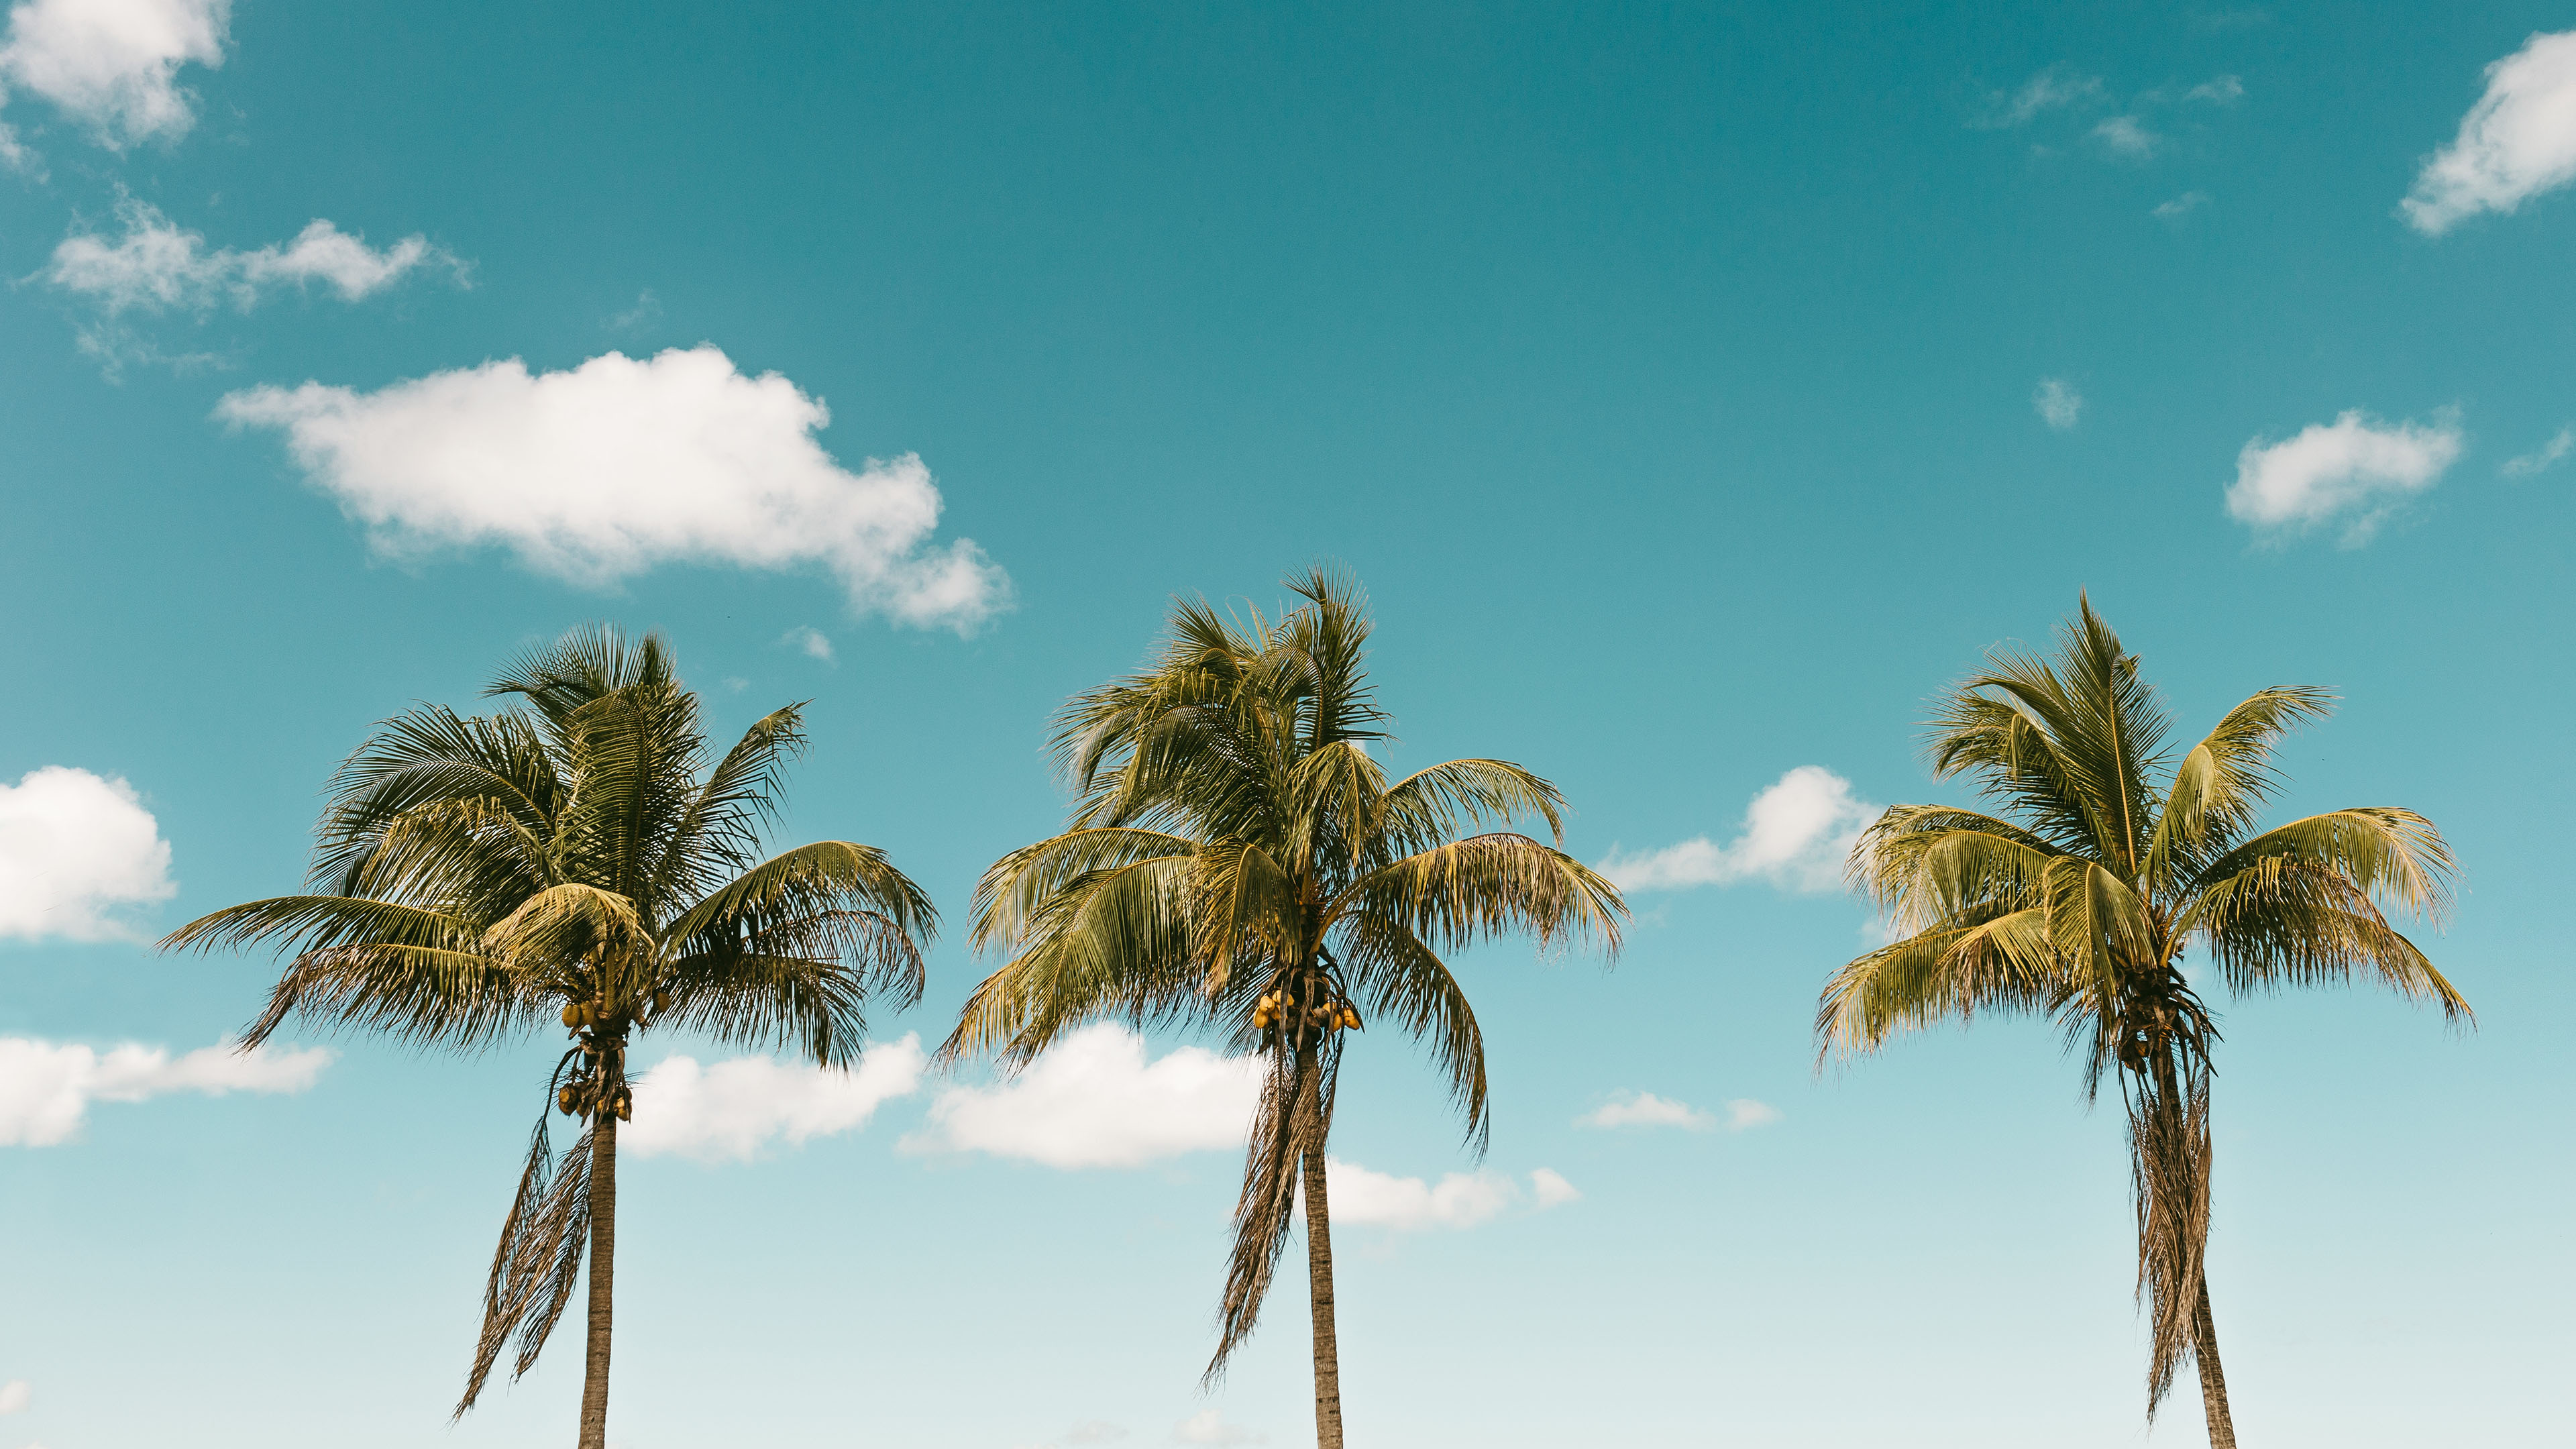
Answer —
1408 1204
1551 1189
1207 1426
113 65
2547 454
2225 90
2519 140
2047 91
2057 403
2181 206
154 265
2127 136
2352 471
1796 834
1093 1100
14 1396
735 1108
76 850
610 468
46 1088
1645 1109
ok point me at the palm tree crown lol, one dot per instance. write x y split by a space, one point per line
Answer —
578 858
1237 861
2108 861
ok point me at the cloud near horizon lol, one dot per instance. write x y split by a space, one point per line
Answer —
1411 1204
608 469
731 1110
112 65
2517 142
76 851
46 1088
1094 1100
1645 1109
1796 835
2354 472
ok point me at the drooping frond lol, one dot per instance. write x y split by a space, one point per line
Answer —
417 975
538 1260
1993 957
2220 785
2301 906
1922 864
1114 943
1291 1122
1405 984
1458 797
1017 888
1470 890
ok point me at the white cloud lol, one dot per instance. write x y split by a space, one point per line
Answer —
14 1396
1094 1431
2549 453
114 64
647 309
1551 1188
2353 470
155 265
1207 1426
2057 402
2225 90
75 849
46 1088
1743 1114
617 465
1796 834
2047 91
815 643
1378 1199
1645 1109
734 1108
2519 140
2126 136
1092 1100
2181 206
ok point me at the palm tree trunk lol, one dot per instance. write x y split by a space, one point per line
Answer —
603 1277
1319 1288
2213 1379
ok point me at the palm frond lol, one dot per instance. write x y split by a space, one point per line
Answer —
2220 785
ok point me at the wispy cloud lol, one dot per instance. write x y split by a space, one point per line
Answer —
77 853
735 1108
1413 1204
15 1396
113 65
2547 454
2052 89
2518 141
155 265
1796 835
2127 136
1094 1100
1551 1189
2225 90
47 1088
812 641
2181 206
608 469
2057 403
2351 472
1645 1109
646 311
1207 1426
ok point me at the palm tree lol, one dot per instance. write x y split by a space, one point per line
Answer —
574 857
2109 860
1237 862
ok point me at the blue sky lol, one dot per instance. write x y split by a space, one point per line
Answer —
1697 390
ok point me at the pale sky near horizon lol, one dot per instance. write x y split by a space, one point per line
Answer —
1697 390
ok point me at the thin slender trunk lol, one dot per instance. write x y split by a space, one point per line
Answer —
1319 1288
2213 1379
603 1278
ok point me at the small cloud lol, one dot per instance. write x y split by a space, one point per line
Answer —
2225 90
1645 1109
2049 90
736 683
1410 1204
46 1088
2126 136
2353 471
1209 1427
1093 1100
77 852
2057 402
154 265
811 640
1743 1114
1551 1189
734 1108
647 310
2518 141
14 1396
1095 1431
2182 206
1796 835
2550 452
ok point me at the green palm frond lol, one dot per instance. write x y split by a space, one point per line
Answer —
2218 787
1490 885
